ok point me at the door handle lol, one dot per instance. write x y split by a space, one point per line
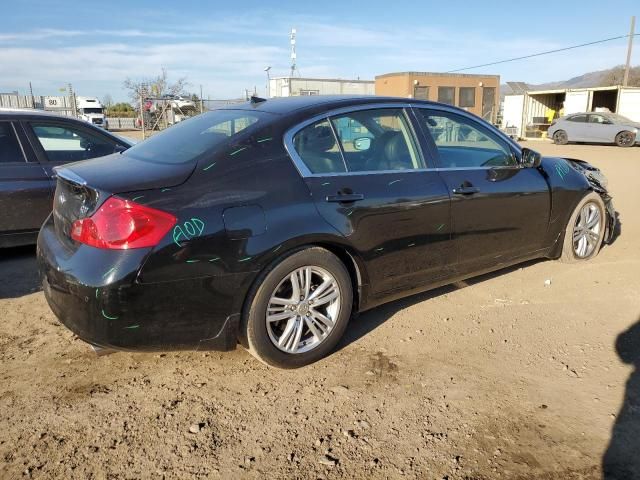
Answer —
345 197
466 190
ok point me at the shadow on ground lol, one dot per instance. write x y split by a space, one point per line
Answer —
19 272
622 459
368 321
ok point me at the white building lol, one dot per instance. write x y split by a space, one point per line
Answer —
296 86
531 112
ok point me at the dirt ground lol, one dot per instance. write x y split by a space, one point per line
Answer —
511 375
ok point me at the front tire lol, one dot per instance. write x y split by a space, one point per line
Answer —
585 230
299 309
560 137
625 139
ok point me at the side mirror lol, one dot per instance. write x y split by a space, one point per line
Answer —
119 149
362 143
530 158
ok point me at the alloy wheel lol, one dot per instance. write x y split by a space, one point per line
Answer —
625 139
303 309
586 231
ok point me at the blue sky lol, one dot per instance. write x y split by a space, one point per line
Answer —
224 46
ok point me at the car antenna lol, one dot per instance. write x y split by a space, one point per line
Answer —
256 99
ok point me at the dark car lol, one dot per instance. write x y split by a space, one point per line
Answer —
32 143
269 223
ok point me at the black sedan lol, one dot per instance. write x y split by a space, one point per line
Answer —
270 223
32 143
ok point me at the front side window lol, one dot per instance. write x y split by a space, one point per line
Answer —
597 119
63 143
10 150
467 97
367 141
464 143
578 118
446 95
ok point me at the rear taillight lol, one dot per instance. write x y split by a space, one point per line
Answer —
122 224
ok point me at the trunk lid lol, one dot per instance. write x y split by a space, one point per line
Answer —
119 173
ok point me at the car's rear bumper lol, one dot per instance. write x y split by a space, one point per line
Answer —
96 294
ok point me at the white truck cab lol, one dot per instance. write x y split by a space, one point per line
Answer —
91 110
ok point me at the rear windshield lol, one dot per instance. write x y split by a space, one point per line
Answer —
189 139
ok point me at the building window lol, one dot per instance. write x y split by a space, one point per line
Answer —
447 95
309 92
467 97
421 93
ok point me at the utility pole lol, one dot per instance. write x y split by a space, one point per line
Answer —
33 102
201 101
629 48
143 89
292 37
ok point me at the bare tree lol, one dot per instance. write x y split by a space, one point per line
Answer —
107 101
154 86
616 74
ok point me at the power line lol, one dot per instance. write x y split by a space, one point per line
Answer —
542 53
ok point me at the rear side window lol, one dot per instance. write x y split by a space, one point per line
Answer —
62 143
318 148
464 143
367 141
190 139
10 150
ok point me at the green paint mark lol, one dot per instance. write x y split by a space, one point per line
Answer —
97 293
214 259
108 272
245 259
165 190
193 261
411 245
207 168
265 139
395 181
379 249
108 317
188 230
440 227
131 327
237 151
325 184
562 169
277 248
137 198
349 214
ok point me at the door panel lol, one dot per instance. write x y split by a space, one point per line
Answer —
500 210
26 191
401 227
369 181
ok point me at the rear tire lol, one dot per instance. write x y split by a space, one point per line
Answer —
560 137
289 321
585 230
625 139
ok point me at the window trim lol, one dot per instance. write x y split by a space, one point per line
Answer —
25 160
515 151
304 170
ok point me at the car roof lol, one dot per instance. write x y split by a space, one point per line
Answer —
30 112
284 105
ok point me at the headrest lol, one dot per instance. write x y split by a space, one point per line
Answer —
318 139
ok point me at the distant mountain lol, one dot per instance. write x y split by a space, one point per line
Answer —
601 78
